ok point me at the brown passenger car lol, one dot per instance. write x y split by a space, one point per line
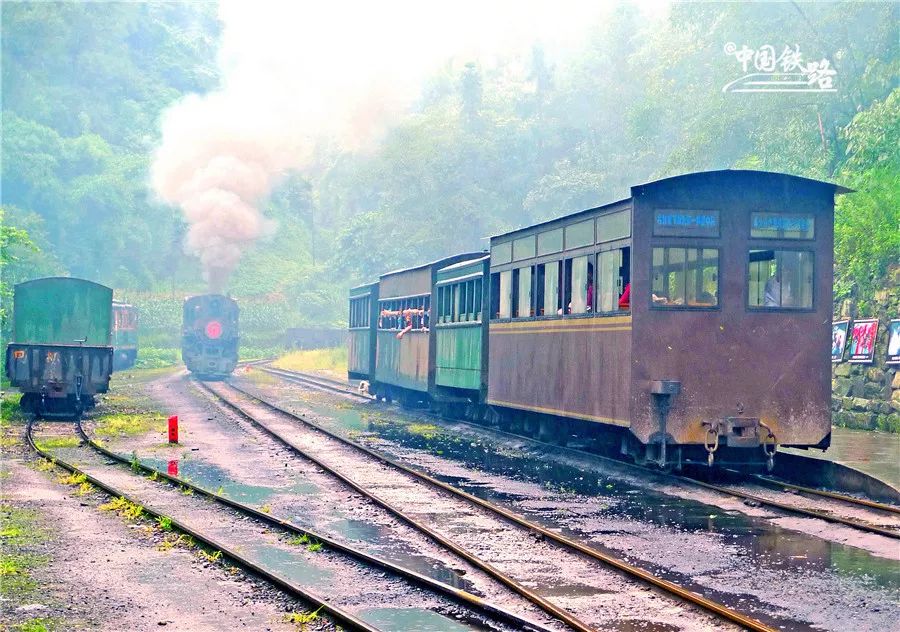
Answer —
723 346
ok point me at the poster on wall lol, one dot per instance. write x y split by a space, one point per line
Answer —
893 352
862 340
838 339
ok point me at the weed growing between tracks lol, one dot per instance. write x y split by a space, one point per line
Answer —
312 545
302 618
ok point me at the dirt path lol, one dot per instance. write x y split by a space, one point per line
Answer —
98 572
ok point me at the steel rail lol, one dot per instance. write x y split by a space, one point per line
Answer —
335 612
774 482
316 381
634 571
810 513
547 606
457 594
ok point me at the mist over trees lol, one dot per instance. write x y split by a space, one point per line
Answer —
485 148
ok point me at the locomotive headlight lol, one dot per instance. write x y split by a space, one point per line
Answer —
213 329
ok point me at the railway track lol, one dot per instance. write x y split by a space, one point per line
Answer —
335 386
337 613
565 544
462 597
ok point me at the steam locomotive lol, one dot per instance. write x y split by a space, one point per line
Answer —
689 322
209 339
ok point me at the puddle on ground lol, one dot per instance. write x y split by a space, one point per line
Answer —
405 619
293 566
380 542
216 479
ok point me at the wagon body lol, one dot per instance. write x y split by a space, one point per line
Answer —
460 331
404 354
61 354
363 327
704 355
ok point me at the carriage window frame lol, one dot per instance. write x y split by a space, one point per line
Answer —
689 308
612 246
763 309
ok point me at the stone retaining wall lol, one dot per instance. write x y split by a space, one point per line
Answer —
867 396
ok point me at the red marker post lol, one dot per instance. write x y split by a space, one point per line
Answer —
173 429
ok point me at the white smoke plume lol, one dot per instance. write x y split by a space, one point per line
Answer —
295 73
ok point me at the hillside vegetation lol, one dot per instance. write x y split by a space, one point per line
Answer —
482 151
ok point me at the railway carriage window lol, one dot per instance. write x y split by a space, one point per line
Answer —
550 242
523 248
781 279
548 298
460 305
579 284
580 234
501 295
522 295
501 253
613 226
478 290
613 272
685 277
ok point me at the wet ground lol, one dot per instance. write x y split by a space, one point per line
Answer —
347 584
726 550
872 452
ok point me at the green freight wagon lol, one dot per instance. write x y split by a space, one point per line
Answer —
124 335
61 351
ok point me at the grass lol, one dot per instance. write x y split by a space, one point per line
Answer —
46 465
212 558
72 479
157 357
123 507
426 431
302 618
58 442
312 545
164 522
333 360
41 624
10 413
19 530
129 424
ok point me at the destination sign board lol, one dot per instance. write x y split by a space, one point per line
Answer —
782 225
685 223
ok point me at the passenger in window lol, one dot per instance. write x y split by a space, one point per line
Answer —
589 298
625 299
773 292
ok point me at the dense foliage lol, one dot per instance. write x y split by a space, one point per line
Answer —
485 149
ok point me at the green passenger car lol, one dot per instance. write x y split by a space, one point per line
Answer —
459 330
405 346
61 353
363 321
